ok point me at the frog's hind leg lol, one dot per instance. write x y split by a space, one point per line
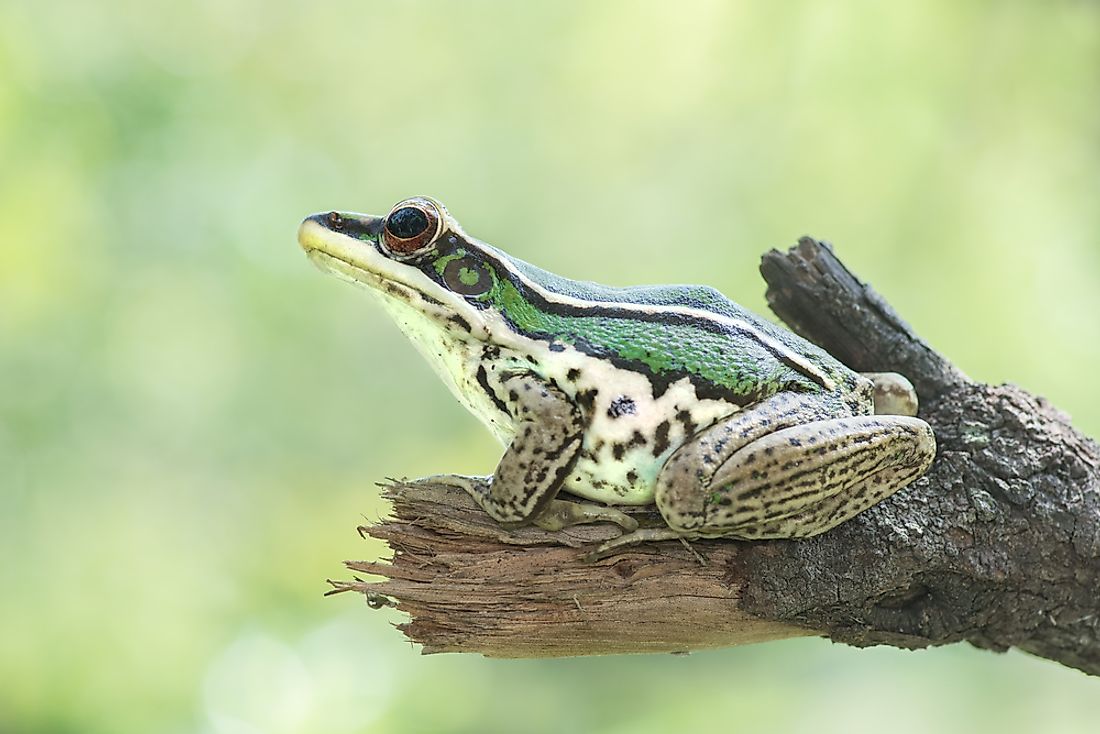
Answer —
694 464
846 501
796 482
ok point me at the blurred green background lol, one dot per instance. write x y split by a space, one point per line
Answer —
192 417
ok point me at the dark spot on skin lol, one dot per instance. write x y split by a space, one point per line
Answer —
632 476
620 406
429 299
572 374
587 398
795 442
556 347
618 450
689 425
660 440
460 322
513 395
637 439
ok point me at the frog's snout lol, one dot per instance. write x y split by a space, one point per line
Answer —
357 226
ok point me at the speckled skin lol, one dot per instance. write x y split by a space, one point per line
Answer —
670 395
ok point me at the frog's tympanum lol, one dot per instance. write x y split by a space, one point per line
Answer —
666 395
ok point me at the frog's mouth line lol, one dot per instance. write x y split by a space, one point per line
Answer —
361 276
357 262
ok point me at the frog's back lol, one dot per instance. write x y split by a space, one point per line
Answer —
675 331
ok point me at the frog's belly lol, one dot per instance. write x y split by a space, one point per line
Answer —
630 436
630 432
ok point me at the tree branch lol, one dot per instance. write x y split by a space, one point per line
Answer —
998 545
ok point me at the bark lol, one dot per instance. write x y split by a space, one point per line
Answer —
998 545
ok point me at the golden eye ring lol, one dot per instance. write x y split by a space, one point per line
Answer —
411 227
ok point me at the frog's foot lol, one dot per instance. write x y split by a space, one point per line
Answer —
894 394
645 535
561 514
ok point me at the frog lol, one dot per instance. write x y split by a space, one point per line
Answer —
607 397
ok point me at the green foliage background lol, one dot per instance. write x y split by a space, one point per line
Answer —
191 417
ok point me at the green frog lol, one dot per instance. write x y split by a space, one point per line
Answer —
667 395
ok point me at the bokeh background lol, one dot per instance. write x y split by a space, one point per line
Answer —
192 417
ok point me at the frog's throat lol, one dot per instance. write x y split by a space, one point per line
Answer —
448 332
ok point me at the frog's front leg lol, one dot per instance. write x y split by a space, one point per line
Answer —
523 489
786 469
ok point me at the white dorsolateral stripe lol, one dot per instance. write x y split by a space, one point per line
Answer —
795 359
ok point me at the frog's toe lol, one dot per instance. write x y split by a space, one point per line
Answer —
457 481
894 394
562 514
644 535
623 520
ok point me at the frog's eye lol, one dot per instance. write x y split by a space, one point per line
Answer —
411 227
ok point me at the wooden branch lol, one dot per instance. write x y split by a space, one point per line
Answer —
998 545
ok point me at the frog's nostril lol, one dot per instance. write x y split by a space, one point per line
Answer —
335 220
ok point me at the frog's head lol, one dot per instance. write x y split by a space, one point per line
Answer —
429 273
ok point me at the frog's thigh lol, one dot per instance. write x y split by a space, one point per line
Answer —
799 481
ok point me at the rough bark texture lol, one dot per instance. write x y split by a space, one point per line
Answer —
998 545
